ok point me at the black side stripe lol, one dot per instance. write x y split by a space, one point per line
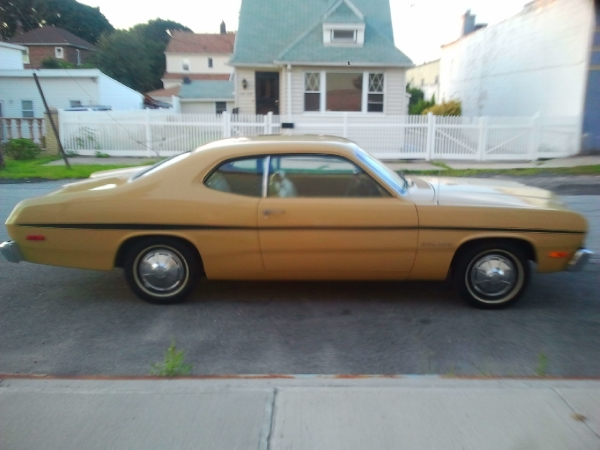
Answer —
175 227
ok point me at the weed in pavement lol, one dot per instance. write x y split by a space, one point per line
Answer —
173 365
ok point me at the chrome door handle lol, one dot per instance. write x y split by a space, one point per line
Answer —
272 212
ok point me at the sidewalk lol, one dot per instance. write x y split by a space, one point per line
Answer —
573 161
300 413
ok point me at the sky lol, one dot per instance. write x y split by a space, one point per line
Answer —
420 26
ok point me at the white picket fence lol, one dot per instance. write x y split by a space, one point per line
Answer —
157 133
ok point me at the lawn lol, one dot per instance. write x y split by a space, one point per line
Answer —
36 169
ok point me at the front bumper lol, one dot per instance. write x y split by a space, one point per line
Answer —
10 250
579 259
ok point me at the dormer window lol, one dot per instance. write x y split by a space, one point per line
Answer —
348 36
344 25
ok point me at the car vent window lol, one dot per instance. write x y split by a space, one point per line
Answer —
239 176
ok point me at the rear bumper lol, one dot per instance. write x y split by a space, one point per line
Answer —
579 259
11 252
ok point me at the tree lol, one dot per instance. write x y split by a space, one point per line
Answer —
136 57
83 21
417 103
155 37
122 56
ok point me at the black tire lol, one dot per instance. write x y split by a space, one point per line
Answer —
491 275
172 269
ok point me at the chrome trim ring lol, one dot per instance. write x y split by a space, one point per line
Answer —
161 271
494 277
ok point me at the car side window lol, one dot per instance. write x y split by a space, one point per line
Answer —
326 176
238 176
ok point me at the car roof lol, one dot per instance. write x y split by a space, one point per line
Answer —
278 144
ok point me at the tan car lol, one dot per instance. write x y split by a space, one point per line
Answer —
297 208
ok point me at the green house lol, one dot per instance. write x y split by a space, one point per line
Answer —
318 57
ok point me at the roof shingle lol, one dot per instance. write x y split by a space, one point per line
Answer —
50 35
186 42
292 31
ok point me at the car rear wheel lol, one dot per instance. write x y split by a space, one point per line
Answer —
162 270
491 275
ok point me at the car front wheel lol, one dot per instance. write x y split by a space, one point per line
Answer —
491 275
162 270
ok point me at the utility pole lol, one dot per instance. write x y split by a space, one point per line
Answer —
60 147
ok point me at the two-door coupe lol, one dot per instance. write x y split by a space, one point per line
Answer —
297 207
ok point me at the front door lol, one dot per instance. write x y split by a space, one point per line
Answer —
324 217
267 92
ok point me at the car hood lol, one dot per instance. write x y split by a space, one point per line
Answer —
485 192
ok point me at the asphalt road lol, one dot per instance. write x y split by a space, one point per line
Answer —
68 322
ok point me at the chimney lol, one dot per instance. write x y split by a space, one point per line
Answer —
468 23
223 29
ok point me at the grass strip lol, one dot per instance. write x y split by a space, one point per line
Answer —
36 169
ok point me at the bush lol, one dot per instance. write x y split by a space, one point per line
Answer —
450 108
22 149
417 102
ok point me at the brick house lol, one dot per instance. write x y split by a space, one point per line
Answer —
52 42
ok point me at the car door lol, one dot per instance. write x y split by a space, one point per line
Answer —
324 217
230 245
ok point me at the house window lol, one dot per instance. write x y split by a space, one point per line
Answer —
375 96
27 108
59 53
344 92
343 35
210 62
185 65
26 55
221 107
74 103
312 91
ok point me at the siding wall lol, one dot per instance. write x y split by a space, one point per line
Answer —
198 63
115 94
203 107
394 88
533 62
10 58
58 92
245 99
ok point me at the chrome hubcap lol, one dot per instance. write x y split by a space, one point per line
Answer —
162 270
493 275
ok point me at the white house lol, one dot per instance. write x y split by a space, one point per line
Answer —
318 56
63 88
545 59
196 56
427 78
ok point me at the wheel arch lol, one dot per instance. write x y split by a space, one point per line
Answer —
524 244
128 243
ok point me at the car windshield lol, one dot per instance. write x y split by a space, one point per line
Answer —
161 165
391 178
